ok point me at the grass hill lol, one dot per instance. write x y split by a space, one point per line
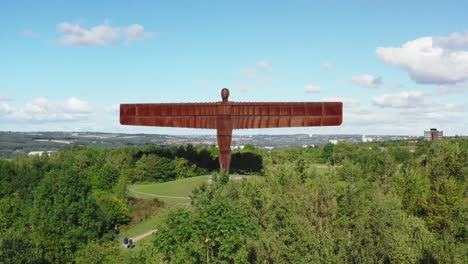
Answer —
171 193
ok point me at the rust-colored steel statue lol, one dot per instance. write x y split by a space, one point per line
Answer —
225 116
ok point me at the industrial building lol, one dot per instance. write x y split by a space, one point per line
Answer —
433 134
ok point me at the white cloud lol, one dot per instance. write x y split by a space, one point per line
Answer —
452 88
38 105
406 99
5 97
347 102
100 35
263 65
455 41
431 60
113 109
75 35
74 105
4 108
136 32
327 66
367 80
44 110
410 121
312 89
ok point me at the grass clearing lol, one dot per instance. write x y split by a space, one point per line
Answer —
151 223
174 194
177 188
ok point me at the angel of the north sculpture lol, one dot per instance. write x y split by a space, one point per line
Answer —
225 116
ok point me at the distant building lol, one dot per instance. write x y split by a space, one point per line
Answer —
433 134
237 147
333 141
366 139
40 153
35 153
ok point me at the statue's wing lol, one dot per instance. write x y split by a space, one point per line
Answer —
298 114
189 115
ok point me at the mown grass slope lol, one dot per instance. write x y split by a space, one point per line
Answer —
169 192
174 194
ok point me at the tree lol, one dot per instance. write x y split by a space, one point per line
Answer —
214 151
214 232
182 168
343 151
65 216
328 153
17 246
246 162
154 168
399 154
146 168
106 177
114 210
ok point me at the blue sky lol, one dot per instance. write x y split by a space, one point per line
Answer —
400 67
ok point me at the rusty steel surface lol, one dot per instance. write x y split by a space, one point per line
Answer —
224 116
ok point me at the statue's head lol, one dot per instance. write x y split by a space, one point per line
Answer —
225 94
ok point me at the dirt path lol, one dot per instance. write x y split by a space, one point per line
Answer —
159 196
140 237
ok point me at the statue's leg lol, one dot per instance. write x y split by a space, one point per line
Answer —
224 144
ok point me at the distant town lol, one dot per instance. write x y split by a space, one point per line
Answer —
15 144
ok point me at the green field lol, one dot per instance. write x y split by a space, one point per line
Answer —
171 193
174 194
143 227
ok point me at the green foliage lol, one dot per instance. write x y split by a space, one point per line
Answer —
76 217
328 153
448 159
372 205
114 210
17 246
214 151
154 168
399 154
344 151
214 231
246 162
414 189
10 211
106 177
249 148
142 209
183 169
99 253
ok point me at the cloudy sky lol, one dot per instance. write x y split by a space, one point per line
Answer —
400 67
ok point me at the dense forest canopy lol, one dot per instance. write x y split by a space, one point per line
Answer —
341 203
